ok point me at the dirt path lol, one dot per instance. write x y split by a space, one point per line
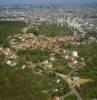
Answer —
24 30
67 79
66 95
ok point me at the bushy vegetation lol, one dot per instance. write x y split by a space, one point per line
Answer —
51 30
72 97
22 84
9 28
35 56
89 52
17 84
61 65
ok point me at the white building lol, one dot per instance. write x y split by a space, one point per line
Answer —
75 54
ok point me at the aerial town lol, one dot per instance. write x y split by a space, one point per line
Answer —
81 19
51 55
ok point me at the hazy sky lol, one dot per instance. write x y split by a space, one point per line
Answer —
44 1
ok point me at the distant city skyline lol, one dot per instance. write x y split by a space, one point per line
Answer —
5 2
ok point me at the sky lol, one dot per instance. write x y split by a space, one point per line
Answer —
3 2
